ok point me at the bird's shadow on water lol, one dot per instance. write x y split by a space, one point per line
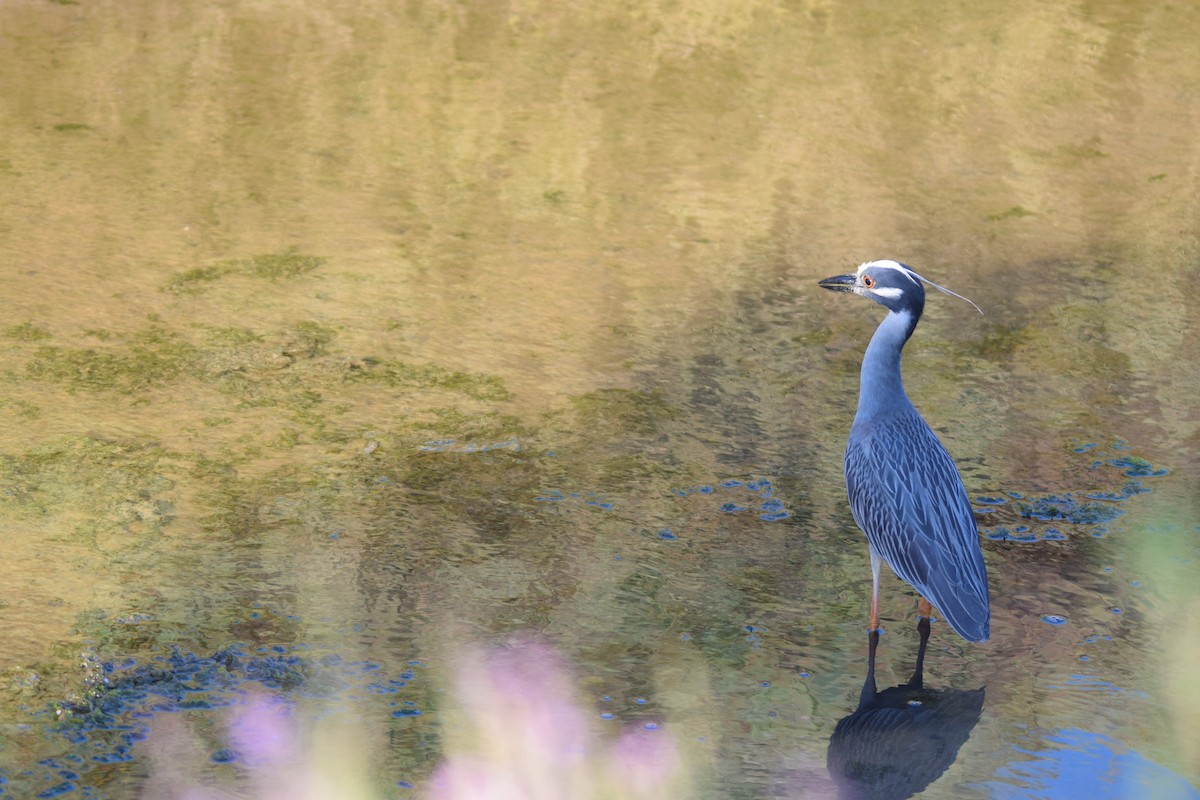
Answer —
900 740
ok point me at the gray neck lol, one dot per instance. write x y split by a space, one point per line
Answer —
881 390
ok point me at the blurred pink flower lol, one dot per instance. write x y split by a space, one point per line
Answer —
260 731
647 761
521 734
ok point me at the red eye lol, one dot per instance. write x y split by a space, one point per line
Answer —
868 281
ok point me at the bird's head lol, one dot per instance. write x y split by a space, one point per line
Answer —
893 285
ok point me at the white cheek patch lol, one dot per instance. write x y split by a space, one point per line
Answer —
890 292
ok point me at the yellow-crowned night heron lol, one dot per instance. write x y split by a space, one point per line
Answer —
905 492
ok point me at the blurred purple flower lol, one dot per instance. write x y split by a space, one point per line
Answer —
521 733
647 760
260 731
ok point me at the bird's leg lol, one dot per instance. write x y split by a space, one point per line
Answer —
918 678
924 609
868 690
873 620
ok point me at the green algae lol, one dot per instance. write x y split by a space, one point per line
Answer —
146 359
287 265
401 374
27 332
631 410
119 485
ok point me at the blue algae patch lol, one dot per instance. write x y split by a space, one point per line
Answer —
1133 487
1054 619
755 494
388 687
407 712
104 728
589 499
666 533
1135 467
754 635
1065 507
772 509
452 446
988 500
1022 534
118 755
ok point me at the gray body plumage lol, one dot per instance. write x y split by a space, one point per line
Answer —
905 492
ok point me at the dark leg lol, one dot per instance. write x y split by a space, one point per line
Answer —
918 677
868 690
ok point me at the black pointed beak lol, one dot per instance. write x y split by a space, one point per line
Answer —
839 283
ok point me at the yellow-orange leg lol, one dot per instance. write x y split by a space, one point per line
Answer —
924 608
876 563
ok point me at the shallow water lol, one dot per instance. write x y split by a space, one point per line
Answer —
344 345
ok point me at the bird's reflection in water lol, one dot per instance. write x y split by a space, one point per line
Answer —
900 740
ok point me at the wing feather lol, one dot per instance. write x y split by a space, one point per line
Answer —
907 496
